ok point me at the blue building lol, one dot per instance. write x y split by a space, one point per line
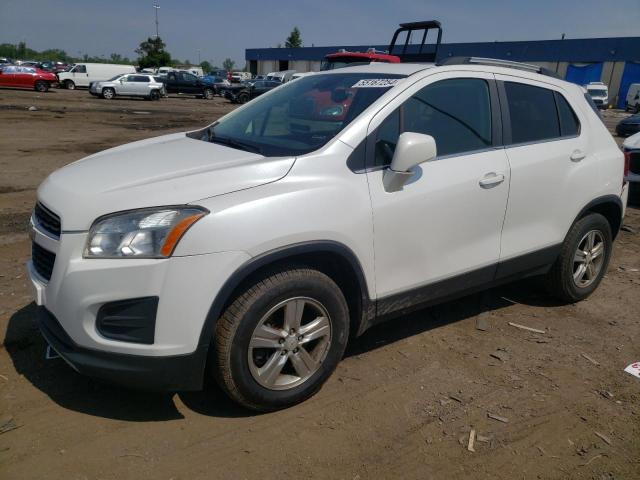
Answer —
613 61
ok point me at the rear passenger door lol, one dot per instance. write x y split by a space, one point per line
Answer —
551 177
440 234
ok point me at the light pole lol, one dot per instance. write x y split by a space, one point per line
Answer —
199 57
156 8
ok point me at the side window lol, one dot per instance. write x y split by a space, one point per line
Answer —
456 113
80 69
189 78
569 123
533 113
141 79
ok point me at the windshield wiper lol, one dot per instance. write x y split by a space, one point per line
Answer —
230 142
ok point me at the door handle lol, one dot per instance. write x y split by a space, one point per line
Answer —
577 155
491 180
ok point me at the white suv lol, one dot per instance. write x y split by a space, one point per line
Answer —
260 244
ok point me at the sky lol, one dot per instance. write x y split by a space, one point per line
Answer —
220 29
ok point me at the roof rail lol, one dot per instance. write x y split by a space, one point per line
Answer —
498 63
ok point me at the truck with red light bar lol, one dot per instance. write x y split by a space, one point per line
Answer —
408 51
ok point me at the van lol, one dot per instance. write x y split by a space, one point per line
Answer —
599 93
632 101
82 74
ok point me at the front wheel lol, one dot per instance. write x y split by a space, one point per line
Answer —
583 259
69 85
281 339
243 98
108 93
208 94
41 87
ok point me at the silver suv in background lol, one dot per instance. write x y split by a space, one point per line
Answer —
129 85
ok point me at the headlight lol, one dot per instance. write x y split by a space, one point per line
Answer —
146 233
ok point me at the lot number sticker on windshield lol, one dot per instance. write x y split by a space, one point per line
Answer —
376 83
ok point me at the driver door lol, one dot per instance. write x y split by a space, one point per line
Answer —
440 234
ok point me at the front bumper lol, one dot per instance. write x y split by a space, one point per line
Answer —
78 287
174 373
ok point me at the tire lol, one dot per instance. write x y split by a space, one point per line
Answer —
154 95
208 94
108 93
243 98
567 280
41 86
238 364
637 109
69 85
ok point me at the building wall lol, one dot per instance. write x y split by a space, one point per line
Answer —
555 55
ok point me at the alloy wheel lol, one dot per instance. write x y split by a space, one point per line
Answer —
289 343
588 258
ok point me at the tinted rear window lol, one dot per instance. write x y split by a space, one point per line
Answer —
533 113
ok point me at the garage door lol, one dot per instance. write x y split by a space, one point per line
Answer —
583 74
631 74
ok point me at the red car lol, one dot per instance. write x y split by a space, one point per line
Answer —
31 78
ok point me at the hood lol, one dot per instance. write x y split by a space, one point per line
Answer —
632 143
169 170
632 120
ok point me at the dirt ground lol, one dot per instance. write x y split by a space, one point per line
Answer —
401 404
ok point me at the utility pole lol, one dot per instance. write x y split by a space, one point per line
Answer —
199 62
156 7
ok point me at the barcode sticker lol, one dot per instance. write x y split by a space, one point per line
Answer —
376 83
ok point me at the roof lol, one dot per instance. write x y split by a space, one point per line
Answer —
568 50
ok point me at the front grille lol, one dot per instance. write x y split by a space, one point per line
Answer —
46 219
43 261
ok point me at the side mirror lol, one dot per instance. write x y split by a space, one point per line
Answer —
412 150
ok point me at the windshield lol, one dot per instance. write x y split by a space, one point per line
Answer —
597 93
301 116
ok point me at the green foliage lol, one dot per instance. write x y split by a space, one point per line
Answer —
206 67
294 40
22 52
228 64
151 53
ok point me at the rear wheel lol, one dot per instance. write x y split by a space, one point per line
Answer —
41 86
583 259
281 339
69 85
154 95
108 93
208 93
243 98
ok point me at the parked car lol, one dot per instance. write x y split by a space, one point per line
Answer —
283 76
254 248
631 148
599 93
628 126
237 77
188 84
632 101
218 83
138 85
54 66
31 78
194 70
5 61
248 90
82 74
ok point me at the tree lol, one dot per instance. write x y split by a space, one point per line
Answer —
228 64
152 53
206 66
294 40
